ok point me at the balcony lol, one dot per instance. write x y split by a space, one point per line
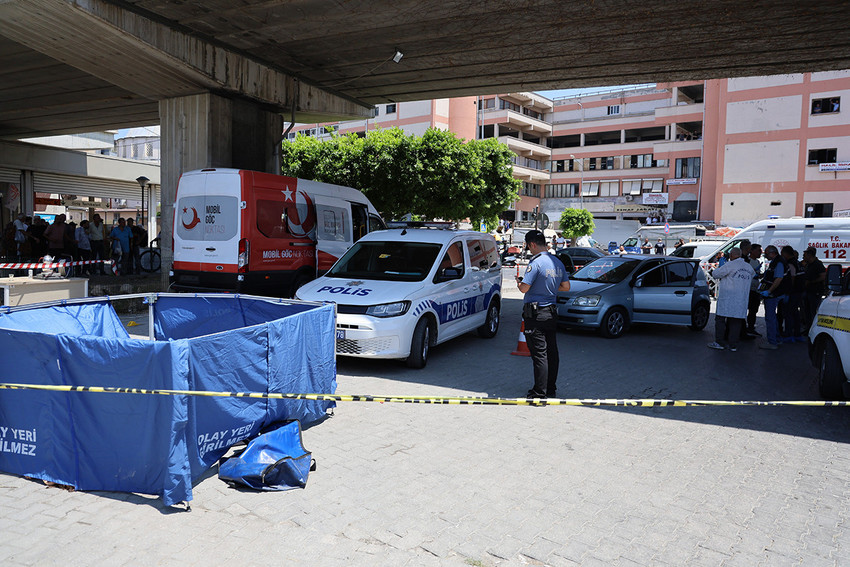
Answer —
527 173
664 149
525 148
518 120
679 113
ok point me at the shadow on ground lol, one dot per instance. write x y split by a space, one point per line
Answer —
649 361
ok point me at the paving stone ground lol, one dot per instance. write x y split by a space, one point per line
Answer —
403 484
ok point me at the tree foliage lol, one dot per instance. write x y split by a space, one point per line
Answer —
576 223
436 175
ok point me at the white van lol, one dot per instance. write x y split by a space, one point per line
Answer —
401 292
251 232
830 236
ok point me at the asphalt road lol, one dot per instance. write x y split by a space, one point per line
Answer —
405 484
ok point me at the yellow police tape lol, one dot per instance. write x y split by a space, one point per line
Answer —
445 400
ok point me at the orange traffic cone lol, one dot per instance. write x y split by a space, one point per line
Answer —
521 346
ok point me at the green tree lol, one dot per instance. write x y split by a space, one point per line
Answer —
436 175
576 223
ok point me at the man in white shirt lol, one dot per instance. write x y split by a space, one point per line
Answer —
733 294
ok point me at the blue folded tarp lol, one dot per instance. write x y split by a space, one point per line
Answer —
276 460
155 444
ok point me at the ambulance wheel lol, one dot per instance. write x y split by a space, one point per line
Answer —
830 373
420 345
491 325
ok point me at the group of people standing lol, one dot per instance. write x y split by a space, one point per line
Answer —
33 238
790 288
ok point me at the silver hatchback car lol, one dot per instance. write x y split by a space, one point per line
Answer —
613 292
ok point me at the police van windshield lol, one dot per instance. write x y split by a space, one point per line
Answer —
391 261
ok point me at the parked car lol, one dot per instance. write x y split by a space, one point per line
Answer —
631 245
611 293
577 257
699 250
829 338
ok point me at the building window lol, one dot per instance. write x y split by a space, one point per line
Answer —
530 189
632 187
606 162
485 103
612 110
687 168
390 109
558 166
826 105
148 150
561 190
642 160
590 189
609 188
377 111
823 156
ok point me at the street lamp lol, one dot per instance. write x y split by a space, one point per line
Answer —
143 181
581 184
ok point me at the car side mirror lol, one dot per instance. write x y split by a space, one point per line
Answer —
448 274
637 283
833 277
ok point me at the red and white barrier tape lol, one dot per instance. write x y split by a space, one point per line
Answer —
30 265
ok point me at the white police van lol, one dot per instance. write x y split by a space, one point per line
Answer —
400 292
829 338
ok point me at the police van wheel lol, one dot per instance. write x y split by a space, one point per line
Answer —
491 325
614 323
420 345
830 373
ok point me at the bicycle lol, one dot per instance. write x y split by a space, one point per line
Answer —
150 260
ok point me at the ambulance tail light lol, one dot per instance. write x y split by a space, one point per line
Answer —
244 253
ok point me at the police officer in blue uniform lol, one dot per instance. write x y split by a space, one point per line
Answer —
543 278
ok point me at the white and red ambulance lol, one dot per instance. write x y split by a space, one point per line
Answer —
251 232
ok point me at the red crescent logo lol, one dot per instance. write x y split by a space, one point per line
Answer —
195 219
297 225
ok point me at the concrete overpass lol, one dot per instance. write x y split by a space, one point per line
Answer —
219 75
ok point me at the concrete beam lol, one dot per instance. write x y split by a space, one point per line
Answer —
158 62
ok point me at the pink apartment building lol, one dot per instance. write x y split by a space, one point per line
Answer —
729 150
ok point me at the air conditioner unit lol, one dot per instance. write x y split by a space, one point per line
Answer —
630 198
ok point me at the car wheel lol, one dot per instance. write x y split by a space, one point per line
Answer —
615 323
830 374
491 326
699 318
420 345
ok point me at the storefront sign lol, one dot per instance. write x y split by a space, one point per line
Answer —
838 166
655 198
632 209
688 181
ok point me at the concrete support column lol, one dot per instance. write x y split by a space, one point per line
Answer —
622 136
207 130
581 139
496 130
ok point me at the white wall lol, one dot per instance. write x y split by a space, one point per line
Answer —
827 75
745 83
414 109
742 209
761 162
764 115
